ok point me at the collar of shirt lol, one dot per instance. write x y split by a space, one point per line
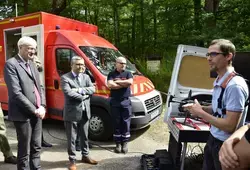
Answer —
23 59
218 83
74 74
118 71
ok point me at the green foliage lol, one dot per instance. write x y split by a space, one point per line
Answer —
160 78
143 28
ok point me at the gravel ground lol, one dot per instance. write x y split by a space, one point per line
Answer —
147 140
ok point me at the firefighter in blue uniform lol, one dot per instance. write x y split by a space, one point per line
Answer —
119 81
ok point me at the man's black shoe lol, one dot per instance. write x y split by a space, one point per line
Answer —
125 147
118 148
11 160
46 144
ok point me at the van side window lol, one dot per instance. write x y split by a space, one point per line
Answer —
63 58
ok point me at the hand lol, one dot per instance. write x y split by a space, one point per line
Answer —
194 108
188 106
85 96
117 79
40 112
227 156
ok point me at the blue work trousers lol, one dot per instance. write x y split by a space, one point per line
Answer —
121 113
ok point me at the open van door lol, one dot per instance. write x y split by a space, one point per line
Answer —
37 32
190 80
190 72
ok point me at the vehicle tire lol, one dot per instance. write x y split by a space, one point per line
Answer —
100 125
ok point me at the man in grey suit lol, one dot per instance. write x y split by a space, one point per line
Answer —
26 103
77 88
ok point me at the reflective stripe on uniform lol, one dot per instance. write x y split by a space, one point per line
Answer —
125 136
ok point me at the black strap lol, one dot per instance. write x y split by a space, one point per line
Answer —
223 110
247 101
216 114
219 100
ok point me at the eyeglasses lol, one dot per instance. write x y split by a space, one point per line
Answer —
28 47
213 54
82 65
122 63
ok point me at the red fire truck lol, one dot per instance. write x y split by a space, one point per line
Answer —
59 39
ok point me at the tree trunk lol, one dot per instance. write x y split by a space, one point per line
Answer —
25 6
142 28
86 14
96 13
128 44
133 33
197 14
155 26
212 5
58 8
116 24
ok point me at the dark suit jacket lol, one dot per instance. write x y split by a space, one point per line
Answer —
73 100
20 84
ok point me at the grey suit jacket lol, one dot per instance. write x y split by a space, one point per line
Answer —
21 92
73 100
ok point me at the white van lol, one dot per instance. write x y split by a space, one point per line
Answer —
191 72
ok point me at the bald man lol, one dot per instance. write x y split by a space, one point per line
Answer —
119 81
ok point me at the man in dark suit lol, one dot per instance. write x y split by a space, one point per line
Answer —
26 103
39 67
77 88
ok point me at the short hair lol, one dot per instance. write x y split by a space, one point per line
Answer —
25 40
226 46
75 58
121 59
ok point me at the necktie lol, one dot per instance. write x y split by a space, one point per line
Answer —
79 84
78 80
38 98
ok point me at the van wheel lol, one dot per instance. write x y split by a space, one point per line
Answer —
100 125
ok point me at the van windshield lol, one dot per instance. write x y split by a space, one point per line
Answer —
104 58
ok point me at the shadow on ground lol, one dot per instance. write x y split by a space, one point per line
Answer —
123 163
52 126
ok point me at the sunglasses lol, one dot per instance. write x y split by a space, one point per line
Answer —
213 54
